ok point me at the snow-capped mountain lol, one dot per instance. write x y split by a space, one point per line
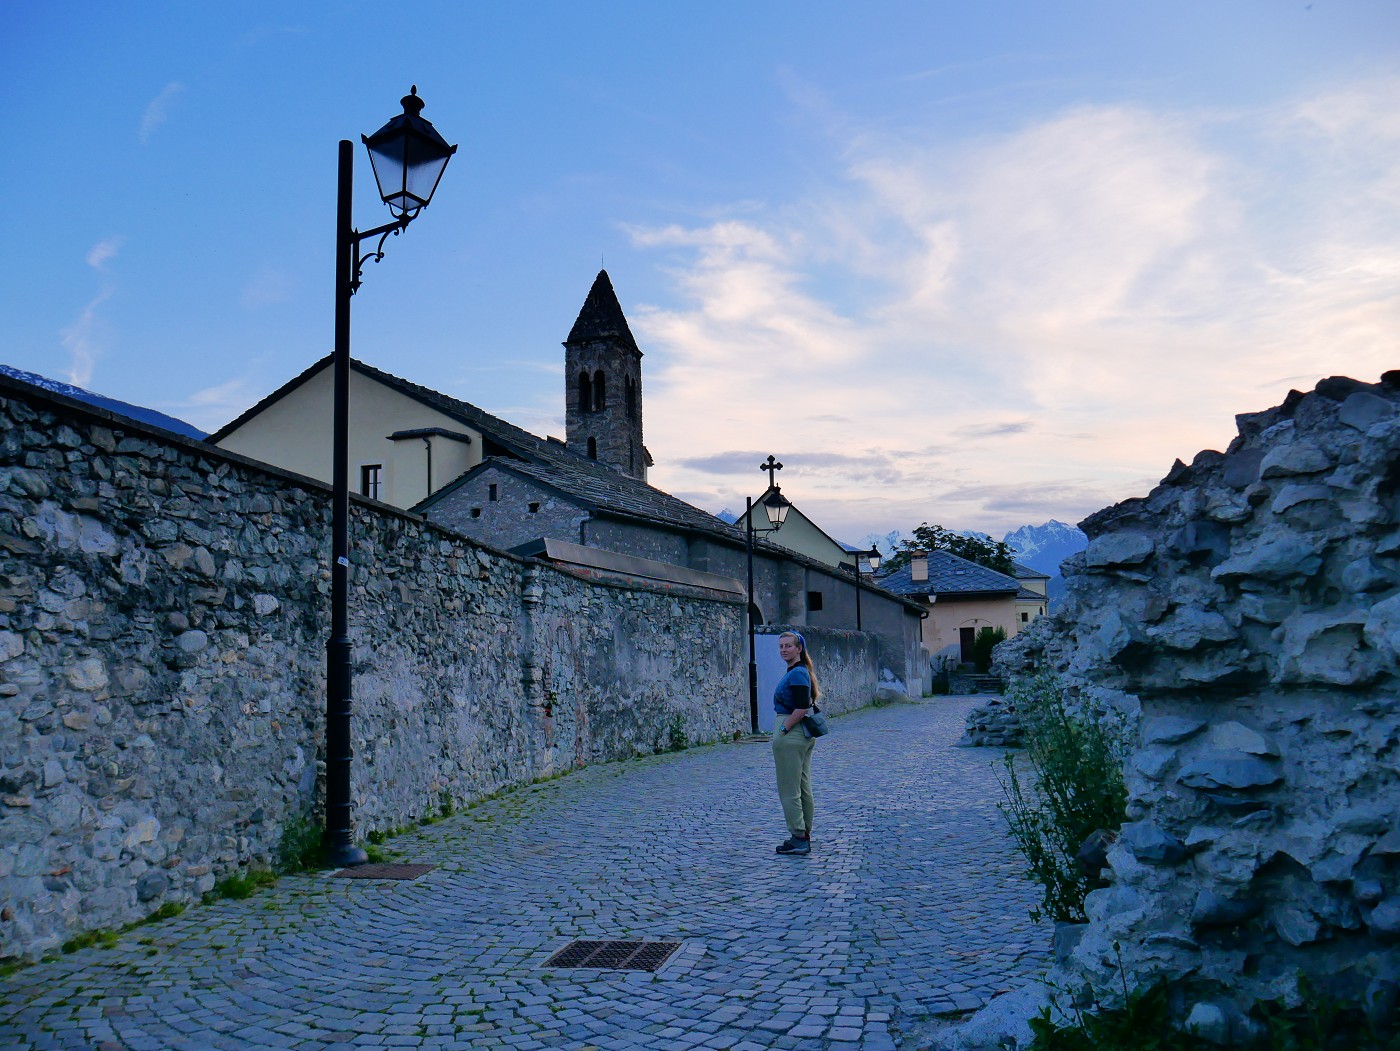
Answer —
727 516
135 412
1045 546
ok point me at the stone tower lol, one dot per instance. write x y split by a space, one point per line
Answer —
603 385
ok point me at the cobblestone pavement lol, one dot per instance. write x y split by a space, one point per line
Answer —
911 904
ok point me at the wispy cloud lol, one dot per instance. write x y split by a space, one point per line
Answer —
157 111
1122 277
85 338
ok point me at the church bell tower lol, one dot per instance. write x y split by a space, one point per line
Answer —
603 385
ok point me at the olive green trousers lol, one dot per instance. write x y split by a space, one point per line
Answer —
792 756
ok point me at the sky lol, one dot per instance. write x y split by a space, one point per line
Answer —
978 264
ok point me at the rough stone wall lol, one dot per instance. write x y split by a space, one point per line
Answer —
163 620
507 521
1245 618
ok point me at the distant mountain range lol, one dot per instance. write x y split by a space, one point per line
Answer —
135 412
1041 547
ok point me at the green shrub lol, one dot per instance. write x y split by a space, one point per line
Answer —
983 643
1078 789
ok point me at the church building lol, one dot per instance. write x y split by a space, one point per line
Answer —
583 501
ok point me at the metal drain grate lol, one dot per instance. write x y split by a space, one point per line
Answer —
614 955
383 871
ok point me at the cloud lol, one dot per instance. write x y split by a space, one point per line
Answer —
1126 278
158 110
992 430
105 250
86 337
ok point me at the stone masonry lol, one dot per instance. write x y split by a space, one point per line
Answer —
163 620
1245 618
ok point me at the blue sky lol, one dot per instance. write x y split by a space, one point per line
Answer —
977 264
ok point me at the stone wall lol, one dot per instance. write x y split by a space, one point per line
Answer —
1244 618
163 620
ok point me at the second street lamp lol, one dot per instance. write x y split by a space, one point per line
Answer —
409 157
869 558
775 505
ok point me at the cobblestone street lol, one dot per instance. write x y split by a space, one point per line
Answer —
912 903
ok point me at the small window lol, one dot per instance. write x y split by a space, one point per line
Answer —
476 512
593 448
534 507
371 479
1025 617
814 601
492 493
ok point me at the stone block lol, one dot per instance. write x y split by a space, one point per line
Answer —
1363 410
1235 770
1119 549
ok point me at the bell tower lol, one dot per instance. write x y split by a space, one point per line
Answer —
603 385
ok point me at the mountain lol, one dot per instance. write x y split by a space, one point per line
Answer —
1045 546
122 408
727 516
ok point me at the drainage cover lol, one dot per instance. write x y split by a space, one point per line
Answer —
383 871
614 955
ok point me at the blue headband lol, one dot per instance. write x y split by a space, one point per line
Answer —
798 636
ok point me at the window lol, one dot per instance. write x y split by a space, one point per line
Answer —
492 493
1025 617
585 393
476 512
593 448
631 399
600 392
371 480
814 601
534 507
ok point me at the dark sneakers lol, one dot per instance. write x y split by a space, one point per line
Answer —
794 845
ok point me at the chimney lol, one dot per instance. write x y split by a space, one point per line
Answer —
918 566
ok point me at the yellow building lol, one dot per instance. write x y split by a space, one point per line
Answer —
964 597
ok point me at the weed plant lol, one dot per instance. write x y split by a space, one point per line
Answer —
1144 1023
1077 789
676 735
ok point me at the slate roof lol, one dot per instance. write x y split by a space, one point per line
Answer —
1021 571
601 317
547 460
950 575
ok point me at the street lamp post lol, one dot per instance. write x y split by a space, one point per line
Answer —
408 157
869 558
775 505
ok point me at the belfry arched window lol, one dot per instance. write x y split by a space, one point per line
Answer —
600 391
631 399
585 393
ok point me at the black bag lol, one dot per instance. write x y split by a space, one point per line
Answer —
815 723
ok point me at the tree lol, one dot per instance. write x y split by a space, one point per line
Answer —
994 554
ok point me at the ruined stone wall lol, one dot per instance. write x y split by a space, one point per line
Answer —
163 621
1244 618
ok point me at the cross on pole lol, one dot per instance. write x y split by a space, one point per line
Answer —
771 466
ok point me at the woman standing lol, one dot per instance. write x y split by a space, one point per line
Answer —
792 745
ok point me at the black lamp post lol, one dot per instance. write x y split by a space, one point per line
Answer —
408 157
869 558
775 505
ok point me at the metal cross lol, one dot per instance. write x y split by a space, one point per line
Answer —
771 466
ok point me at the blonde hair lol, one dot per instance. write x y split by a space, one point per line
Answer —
804 660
